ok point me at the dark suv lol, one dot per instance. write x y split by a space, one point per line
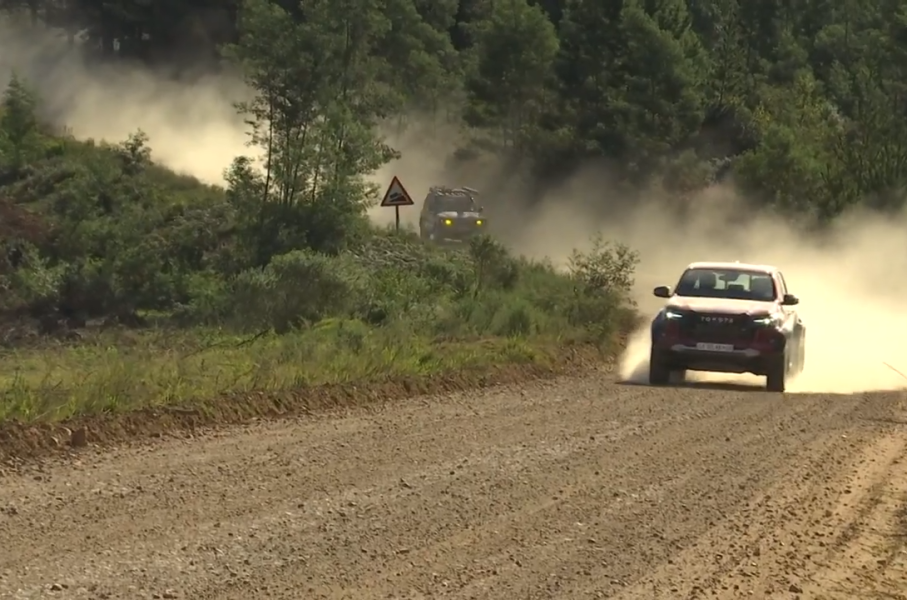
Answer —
731 318
451 214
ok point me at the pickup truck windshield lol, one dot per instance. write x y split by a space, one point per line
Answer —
733 284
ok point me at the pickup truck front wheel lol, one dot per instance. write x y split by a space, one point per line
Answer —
659 373
776 378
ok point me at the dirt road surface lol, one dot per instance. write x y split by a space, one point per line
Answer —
574 488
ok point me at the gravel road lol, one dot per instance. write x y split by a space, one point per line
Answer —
572 488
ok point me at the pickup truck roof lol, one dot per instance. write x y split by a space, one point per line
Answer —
733 265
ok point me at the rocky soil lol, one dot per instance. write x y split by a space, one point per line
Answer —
578 487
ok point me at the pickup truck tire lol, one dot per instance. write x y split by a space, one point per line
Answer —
776 378
659 373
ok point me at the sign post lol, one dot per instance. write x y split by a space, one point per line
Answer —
397 196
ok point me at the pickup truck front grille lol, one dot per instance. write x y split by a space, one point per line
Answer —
709 327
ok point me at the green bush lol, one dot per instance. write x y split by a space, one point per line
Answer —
119 235
247 288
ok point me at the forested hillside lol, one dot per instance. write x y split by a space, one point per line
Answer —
799 103
804 95
635 82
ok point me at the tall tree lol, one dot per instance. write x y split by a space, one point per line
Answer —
631 79
316 106
510 72
18 125
419 59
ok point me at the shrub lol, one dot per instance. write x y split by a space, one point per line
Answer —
602 303
296 288
102 230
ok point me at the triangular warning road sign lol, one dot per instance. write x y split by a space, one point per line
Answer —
396 195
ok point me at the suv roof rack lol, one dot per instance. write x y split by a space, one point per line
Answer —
443 190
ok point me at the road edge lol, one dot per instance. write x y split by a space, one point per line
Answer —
23 442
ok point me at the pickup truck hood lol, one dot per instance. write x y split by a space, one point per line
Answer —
721 305
452 214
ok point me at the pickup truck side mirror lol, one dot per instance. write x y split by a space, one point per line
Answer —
790 300
662 291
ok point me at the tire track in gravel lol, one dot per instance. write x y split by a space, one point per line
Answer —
868 558
330 463
614 496
573 488
202 474
777 545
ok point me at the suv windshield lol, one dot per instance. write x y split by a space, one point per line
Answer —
733 284
455 203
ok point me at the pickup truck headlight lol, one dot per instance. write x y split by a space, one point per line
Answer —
673 315
764 320
448 222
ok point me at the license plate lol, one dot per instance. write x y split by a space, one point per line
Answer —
715 347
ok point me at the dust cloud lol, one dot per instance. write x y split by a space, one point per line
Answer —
851 285
425 149
428 148
192 125
851 282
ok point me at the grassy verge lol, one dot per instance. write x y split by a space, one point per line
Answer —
390 308
115 374
125 389
166 296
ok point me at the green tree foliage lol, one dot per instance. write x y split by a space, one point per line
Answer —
18 125
640 83
420 60
802 103
318 99
511 72
631 80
